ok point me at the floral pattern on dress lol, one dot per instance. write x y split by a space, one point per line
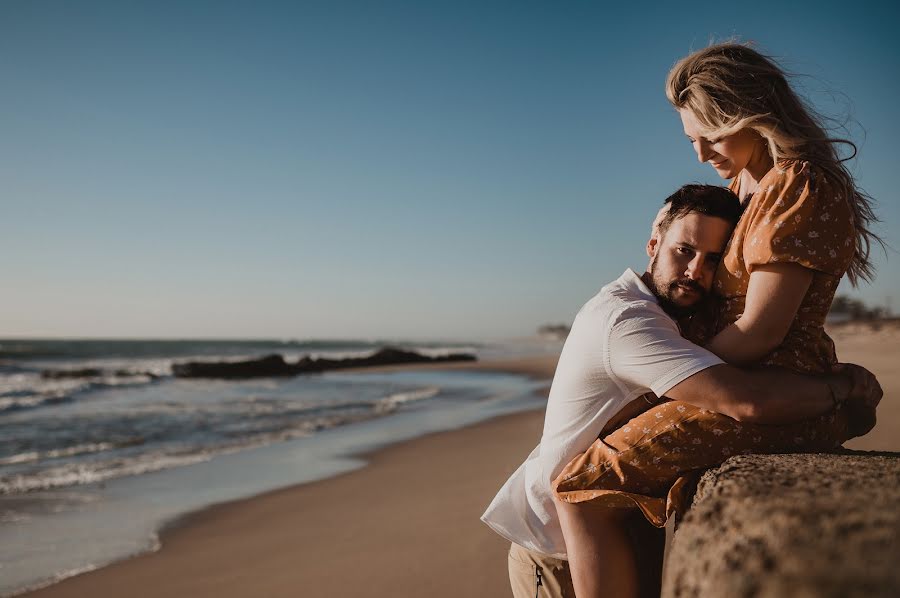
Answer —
795 216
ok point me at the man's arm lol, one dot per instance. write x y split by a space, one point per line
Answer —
764 396
647 350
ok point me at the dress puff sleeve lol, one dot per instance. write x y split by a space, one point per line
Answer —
797 217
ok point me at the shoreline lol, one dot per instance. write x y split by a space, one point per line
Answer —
406 523
532 368
193 526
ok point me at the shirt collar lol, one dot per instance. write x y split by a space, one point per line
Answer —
633 281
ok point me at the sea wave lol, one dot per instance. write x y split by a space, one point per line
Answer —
30 401
20 391
233 426
392 402
34 456
98 471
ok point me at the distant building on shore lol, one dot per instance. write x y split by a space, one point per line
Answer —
554 331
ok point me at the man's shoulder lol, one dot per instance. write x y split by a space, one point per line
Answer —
624 298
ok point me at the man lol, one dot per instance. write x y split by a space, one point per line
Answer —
624 347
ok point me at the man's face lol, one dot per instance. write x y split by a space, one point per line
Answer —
684 260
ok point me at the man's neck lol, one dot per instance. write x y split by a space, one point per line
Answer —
647 279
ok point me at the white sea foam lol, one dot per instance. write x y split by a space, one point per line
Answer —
71 451
89 473
392 402
21 458
58 577
13 517
7 404
25 391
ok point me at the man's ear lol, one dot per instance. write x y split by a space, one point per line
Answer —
653 243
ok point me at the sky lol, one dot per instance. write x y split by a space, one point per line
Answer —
441 170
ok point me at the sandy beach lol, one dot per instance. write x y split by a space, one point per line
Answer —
405 525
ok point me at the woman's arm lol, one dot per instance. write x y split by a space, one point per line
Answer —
774 295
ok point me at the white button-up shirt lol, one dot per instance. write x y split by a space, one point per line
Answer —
621 346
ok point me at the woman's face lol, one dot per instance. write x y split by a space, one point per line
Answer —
728 155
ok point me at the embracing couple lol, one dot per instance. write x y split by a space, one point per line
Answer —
717 349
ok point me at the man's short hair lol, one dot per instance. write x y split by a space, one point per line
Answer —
709 200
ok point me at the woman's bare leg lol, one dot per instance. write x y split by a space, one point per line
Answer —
600 551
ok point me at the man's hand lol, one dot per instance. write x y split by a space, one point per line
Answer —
860 393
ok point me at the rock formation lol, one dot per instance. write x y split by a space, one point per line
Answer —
275 365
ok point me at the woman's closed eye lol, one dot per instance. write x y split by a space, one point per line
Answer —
709 141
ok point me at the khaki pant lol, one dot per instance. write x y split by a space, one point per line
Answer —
533 575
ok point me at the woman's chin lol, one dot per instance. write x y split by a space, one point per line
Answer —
725 172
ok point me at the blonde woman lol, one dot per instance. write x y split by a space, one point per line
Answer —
805 225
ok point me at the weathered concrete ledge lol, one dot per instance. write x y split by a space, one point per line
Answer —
819 525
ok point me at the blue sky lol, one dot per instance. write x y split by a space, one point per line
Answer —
372 169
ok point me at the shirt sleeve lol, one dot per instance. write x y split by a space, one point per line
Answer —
800 219
647 350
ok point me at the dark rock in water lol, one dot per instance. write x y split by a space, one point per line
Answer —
91 373
125 373
81 373
275 365
270 365
384 356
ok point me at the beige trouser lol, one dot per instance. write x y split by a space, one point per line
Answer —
533 575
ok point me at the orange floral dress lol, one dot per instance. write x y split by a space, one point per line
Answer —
794 216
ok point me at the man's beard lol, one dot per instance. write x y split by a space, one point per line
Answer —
666 291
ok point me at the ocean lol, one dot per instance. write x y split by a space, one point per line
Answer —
93 464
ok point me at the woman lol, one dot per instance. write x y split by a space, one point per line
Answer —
805 225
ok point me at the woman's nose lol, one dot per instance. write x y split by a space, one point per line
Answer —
704 152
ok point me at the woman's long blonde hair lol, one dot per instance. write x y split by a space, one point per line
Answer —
730 86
